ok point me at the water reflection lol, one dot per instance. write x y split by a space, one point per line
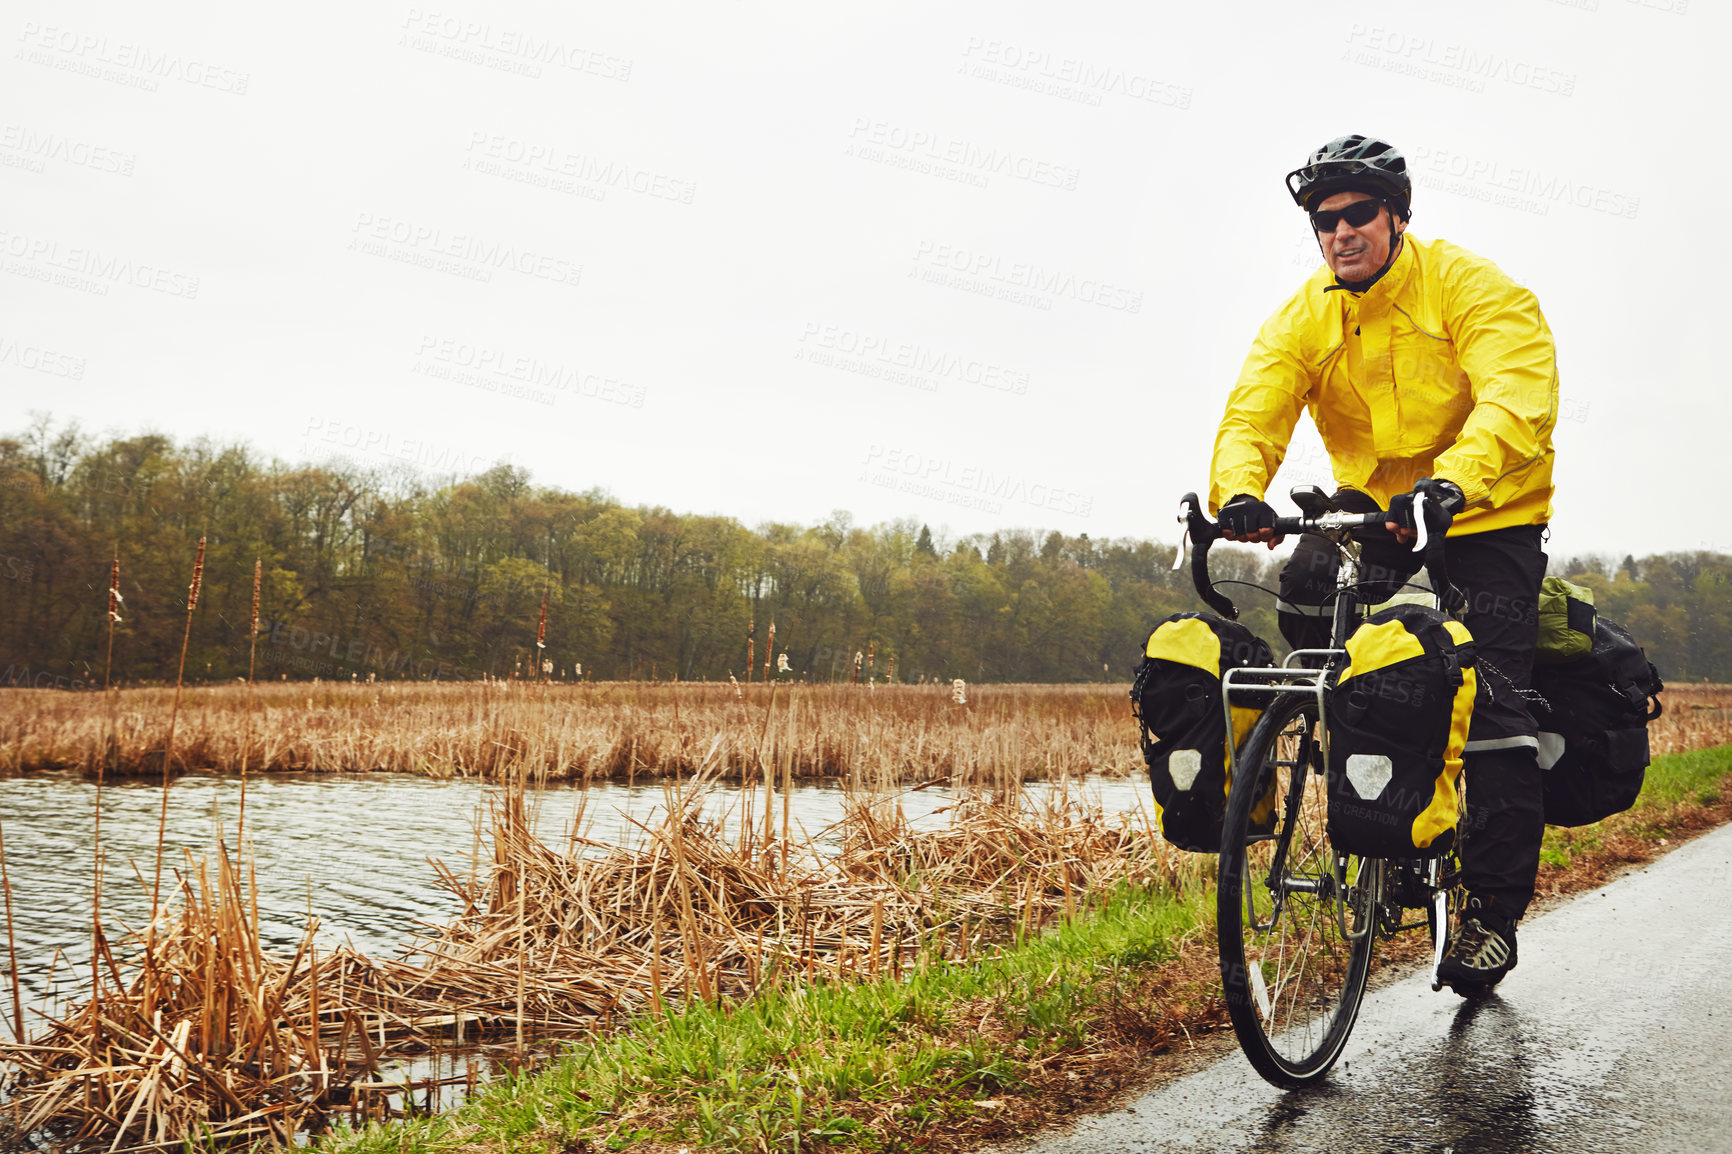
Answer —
351 849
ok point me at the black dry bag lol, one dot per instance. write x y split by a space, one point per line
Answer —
1593 720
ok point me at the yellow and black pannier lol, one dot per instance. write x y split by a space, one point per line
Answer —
1398 718
1176 698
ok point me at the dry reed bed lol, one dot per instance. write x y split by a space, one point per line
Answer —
1696 717
1005 734
610 730
197 1030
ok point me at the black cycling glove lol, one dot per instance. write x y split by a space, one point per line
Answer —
1443 500
1246 516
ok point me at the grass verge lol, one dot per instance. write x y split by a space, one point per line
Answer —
954 1055
958 1055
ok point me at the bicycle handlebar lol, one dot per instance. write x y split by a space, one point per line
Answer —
1329 523
1203 533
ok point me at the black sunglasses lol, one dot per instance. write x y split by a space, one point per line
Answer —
1358 214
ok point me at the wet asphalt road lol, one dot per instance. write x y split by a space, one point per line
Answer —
1614 1033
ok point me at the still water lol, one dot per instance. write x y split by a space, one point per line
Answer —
352 849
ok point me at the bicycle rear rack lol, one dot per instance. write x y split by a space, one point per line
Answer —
1283 678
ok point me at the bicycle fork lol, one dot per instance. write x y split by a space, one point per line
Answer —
1440 911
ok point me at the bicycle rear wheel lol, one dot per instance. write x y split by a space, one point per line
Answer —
1295 918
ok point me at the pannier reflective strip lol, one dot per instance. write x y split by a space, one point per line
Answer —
1369 773
1551 748
1183 765
1412 597
1304 610
1489 743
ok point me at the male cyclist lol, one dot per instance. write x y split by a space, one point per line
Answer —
1426 370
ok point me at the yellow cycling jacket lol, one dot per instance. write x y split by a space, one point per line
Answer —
1443 368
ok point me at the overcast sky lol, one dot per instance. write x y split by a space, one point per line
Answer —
989 266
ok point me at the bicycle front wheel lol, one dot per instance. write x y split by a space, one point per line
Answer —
1296 919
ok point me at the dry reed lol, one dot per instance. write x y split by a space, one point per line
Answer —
205 1032
905 733
200 1032
1696 717
192 592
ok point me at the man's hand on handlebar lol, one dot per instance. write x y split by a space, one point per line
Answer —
1248 518
1443 500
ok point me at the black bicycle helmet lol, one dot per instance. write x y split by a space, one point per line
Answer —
1354 164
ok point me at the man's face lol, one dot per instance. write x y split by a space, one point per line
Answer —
1356 253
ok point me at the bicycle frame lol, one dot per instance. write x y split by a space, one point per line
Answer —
1320 517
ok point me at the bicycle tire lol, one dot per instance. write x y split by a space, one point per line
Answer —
1293 981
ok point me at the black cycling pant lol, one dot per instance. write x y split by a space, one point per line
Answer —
1499 571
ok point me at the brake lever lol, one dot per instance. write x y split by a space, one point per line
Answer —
1184 536
1419 521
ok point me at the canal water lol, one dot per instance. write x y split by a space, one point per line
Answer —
352 849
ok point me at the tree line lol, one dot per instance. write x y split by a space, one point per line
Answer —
369 573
